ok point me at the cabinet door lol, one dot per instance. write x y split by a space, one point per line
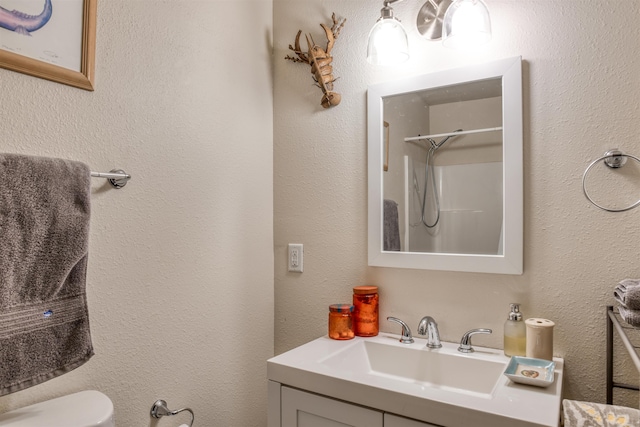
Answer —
301 409
395 421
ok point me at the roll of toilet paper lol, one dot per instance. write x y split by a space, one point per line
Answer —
539 338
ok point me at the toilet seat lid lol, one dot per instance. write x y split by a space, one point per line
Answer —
89 408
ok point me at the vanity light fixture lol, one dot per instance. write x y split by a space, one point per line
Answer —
430 18
466 24
388 41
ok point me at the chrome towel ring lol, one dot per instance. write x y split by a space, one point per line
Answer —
614 159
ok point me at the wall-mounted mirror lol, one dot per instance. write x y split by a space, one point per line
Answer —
445 170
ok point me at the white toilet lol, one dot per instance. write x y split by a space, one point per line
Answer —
88 408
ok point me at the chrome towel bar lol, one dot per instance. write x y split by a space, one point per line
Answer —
116 177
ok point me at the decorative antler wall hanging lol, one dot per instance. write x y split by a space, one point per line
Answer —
320 61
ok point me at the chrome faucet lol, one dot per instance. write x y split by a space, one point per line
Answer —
429 327
406 337
465 342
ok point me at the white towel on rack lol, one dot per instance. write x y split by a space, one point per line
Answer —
627 293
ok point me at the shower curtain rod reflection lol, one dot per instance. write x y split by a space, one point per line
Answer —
438 135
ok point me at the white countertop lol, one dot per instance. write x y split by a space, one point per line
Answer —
509 404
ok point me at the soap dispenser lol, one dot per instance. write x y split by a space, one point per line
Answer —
515 333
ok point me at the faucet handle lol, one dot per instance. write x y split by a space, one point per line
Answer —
406 337
465 342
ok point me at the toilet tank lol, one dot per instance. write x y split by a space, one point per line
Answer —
87 408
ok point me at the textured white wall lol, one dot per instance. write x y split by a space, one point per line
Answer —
180 281
581 91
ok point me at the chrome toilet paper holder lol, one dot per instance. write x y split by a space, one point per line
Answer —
160 409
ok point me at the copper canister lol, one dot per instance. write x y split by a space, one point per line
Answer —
340 322
365 312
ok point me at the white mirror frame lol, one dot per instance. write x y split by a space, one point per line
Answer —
511 261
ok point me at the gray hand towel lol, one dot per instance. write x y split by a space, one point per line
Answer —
391 229
44 231
627 293
632 317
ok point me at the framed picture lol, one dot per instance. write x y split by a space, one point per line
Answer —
50 39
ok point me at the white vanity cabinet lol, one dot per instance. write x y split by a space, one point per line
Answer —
391 420
290 407
302 409
380 381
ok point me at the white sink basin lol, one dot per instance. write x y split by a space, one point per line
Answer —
435 368
438 386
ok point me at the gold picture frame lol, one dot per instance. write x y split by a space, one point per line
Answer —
82 78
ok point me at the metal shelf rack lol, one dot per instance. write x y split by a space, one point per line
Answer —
614 321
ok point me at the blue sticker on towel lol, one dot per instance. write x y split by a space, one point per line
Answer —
48 314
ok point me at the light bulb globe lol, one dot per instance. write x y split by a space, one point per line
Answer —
466 24
388 43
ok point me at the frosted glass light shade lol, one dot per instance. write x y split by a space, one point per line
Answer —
388 43
466 24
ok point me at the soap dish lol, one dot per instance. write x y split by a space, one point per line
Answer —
530 371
